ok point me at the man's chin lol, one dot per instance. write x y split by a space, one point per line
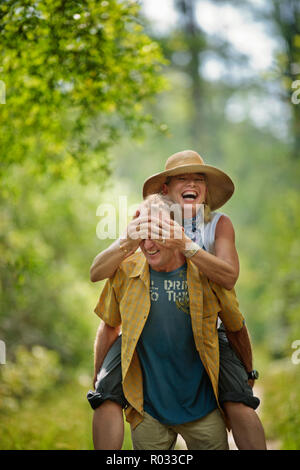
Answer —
154 261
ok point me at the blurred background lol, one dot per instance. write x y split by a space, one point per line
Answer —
94 97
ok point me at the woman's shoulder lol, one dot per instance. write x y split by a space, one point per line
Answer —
219 225
224 225
215 217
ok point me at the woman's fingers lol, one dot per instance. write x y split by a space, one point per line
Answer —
153 231
148 230
150 226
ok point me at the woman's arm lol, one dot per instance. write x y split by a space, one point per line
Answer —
223 267
107 262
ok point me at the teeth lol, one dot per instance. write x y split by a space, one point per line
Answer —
189 194
152 252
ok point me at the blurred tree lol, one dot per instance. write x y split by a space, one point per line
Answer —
76 76
47 243
282 17
286 16
187 46
193 41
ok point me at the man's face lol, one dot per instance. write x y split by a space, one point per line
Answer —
159 257
187 189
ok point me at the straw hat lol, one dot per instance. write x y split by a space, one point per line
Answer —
220 186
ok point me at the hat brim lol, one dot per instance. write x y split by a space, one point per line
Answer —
220 185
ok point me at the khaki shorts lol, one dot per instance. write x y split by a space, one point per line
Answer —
208 433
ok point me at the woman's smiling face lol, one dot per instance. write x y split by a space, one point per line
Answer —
186 189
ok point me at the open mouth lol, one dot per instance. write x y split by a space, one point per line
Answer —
189 195
152 253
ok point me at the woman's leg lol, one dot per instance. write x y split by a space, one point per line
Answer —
247 430
108 426
108 401
237 399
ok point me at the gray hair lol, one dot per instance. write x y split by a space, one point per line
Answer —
163 202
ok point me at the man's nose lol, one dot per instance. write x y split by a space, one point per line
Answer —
149 244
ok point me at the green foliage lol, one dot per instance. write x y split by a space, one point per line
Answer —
60 420
286 16
45 417
281 412
30 377
77 75
39 409
47 244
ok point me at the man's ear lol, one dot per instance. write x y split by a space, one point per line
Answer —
165 189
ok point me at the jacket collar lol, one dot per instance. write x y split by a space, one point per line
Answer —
141 269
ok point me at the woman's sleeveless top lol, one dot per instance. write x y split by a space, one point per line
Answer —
203 233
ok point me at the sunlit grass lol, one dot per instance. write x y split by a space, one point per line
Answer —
281 412
62 422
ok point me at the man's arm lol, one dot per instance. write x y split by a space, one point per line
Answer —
105 337
240 342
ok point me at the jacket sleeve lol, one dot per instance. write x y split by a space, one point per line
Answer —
107 307
230 314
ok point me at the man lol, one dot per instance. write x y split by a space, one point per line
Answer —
170 355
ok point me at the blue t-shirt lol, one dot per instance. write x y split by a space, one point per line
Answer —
176 386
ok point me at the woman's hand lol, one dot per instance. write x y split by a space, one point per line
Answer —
166 232
135 232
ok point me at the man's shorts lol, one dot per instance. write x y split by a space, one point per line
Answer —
233 378
207 433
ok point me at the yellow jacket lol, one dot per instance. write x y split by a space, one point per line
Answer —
125 300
